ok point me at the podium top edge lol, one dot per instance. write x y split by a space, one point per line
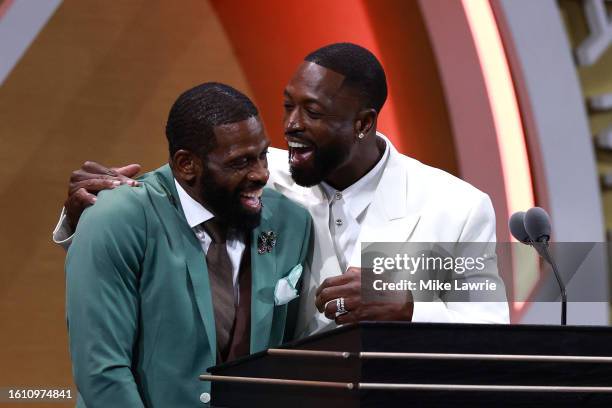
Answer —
363 327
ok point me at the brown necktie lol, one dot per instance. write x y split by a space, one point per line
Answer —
221 284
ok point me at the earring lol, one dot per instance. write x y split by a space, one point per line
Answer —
361 135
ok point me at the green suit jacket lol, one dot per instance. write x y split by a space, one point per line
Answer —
139 309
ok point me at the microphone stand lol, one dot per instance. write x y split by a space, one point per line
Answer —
542 247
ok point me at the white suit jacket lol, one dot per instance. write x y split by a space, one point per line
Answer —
413 203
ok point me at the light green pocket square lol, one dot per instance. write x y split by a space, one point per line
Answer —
285 290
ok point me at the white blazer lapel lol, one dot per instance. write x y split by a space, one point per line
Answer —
388 218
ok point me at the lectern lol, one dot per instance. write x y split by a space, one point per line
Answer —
396 364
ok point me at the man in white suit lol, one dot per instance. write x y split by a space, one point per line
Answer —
357 187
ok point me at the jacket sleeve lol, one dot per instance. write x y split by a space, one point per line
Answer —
478 232
102 295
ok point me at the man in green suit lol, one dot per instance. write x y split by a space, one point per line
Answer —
193 267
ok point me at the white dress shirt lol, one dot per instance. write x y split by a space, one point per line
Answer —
348 208
196 214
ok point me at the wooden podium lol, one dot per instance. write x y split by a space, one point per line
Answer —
395 364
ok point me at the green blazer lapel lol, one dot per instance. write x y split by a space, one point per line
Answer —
263 276
195 260
198 273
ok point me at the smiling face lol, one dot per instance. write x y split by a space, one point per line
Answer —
235 172
320 123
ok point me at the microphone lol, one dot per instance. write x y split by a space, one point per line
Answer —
517 227
533 228
537 224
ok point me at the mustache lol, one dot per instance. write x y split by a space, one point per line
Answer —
295 133
250 186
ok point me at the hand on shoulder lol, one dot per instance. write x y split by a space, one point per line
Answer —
86 182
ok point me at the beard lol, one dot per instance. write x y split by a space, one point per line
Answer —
323 162
226 205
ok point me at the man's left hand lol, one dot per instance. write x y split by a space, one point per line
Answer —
348 286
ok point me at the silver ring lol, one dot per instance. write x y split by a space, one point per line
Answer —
340 310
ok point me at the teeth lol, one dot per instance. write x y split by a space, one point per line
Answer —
254 194
296 144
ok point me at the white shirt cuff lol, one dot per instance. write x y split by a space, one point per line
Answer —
62 234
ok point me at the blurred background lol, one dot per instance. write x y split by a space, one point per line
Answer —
514 96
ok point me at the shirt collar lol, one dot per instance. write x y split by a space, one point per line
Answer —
359 195
195 213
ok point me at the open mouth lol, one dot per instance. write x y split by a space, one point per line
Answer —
251 200
299 152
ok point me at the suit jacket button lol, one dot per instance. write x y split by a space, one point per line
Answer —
205 397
